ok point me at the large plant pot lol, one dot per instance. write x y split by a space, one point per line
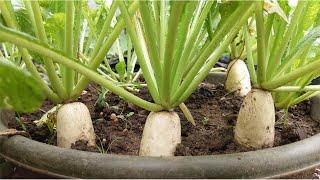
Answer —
272 162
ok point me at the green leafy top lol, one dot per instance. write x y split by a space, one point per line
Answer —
285 58
172 44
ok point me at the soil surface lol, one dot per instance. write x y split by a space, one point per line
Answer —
119 125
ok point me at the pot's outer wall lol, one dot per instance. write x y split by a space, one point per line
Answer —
6 116
315 108
52 160
216 78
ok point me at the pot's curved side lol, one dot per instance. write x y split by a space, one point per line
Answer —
315 108
52 160
216 78
61 162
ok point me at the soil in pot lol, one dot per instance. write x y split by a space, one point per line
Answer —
119 124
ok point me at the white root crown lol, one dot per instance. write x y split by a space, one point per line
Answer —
256 120
161 134
238 78
74 123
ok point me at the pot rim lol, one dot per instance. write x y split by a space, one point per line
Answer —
69 163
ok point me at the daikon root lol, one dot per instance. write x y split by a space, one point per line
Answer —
161 134
74 123
256 120
238 78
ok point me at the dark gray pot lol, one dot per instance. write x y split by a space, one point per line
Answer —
59 162
315 108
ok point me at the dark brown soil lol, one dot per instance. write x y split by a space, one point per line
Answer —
214 110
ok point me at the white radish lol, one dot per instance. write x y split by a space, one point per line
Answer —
74 123
161 134
238 78
256 119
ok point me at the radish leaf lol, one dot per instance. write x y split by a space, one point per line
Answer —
19 91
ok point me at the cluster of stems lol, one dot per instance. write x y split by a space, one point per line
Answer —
175 46
280 46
